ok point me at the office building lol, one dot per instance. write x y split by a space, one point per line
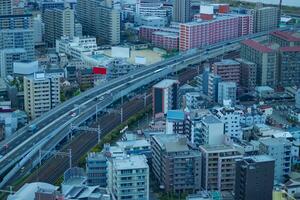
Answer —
228 69
227 93
99 19
218 167
129 177
211 131
165 96
280 150
254 178
176 167
248 74
5 7
204 33
41 93
152 8
96 169
265 59
289 66
182 11
265 18
58 23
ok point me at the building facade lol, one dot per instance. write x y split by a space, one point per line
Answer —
218 167
280 150
41 93
265 59
129 177
96 169
255 173
98 18
248 74
176 167
165 96
228 69
227 92
182 11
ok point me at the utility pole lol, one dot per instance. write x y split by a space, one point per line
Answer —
58 153
88 129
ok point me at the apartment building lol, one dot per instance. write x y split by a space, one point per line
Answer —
218 167
228 69
165 96
254 173
204 33
211 131
41 93
248 74
99 19
129 177
8 57
96 169
58 23
280 150
285 39
227 93
5 7
265 18
265 59
176 167
289 66
182 11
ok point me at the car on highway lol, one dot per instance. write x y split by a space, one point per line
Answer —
72 114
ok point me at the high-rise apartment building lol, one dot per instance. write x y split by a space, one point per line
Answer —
248 74
227 92
204 33
98 18
228 69
182 11
176 167
280 150
218 167
265 59
289 66
254 178
285 38
8 57
16 32
58 23
165 96
41 93
265 18
5 7
129 177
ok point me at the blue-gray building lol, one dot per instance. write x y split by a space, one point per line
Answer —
96 169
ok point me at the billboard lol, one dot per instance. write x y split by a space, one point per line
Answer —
120 52
99 70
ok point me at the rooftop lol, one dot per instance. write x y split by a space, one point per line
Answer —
211 119
257 46
165 83
130 162
175 115
260 158
288 36
273 141
226 62
290 49
166 34
133 143
216 148
172 142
